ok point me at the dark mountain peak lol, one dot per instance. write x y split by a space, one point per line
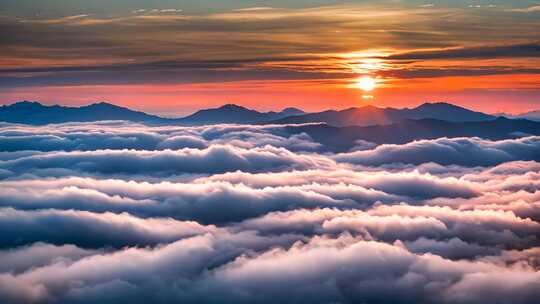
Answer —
363 109
292 111
369 108
446 111
228 109
229 113
438 106
232 107
104 105
28 112
351 109
25 104
373 115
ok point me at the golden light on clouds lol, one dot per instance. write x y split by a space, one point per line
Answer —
409 55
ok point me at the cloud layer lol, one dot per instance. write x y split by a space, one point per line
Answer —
116 211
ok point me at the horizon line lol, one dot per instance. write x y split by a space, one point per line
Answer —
252 109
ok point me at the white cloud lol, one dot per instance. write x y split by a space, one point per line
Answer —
94 213
530 9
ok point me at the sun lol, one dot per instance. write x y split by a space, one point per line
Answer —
366 83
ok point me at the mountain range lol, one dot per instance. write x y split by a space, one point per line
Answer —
370 115
336 130
339 139
532 115
231 113
34 113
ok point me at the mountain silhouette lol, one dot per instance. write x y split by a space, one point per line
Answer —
532 115
231 113
452 121
27 112
34 113
341 139
371 115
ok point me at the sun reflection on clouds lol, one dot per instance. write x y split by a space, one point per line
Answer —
366 61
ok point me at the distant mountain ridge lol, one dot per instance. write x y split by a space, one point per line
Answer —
335 138
231 113
341 139
370 115
34 113
532 115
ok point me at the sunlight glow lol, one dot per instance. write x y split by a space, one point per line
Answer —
366 83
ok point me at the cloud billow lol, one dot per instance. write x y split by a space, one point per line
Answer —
449 151
240 214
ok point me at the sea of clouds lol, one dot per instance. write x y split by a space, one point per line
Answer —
118 212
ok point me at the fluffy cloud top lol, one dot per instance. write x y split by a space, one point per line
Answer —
94 213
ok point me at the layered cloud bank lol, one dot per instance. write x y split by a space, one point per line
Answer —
118 212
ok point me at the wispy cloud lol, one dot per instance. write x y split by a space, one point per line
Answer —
268 44
76 16
255 8
482 52
530 9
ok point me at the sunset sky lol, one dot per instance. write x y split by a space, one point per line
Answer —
173 57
